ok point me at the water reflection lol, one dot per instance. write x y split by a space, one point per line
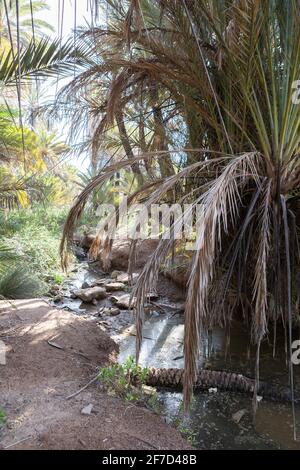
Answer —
211 421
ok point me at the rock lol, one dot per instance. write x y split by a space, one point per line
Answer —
94 302
120 252
85 285
239 415
114 286
101 282
87 295
125 278
111 311
212 390
123 301
87 410
115 274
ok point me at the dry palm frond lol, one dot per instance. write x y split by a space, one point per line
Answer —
227 71
96 182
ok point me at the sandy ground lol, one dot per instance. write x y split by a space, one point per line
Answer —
38 377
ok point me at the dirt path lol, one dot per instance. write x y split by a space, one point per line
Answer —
38 376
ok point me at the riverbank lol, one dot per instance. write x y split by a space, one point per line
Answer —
51 354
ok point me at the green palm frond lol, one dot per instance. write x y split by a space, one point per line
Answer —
45 58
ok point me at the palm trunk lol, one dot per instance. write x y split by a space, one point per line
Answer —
144 149
160 138
127 146
223 381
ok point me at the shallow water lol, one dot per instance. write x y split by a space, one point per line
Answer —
211 424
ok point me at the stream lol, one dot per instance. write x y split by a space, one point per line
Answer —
218 420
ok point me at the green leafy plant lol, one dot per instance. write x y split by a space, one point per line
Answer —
128 382
188 434
2 417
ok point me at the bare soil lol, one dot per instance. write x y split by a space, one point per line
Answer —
38 376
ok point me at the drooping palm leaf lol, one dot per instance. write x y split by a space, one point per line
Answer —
45 58
228 68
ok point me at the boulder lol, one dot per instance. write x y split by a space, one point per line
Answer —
114 286
101 282
123 301
114 274
125 278
88 295
118 258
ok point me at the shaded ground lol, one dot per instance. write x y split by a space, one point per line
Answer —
38 377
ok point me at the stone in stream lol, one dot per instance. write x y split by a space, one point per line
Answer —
101 282
115 274
124 277
111 285
111 311
88 295
114 286
123 301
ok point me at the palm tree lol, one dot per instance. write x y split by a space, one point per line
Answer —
29 23
43 59
230 66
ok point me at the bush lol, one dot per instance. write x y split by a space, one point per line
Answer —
34 235
19 283
128 382
30 237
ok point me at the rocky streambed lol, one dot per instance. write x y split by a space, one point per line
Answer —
218 419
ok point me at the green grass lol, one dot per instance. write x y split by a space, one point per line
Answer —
19 283
2 417
33 238
33 235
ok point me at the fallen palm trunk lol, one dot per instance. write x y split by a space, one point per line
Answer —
225 381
